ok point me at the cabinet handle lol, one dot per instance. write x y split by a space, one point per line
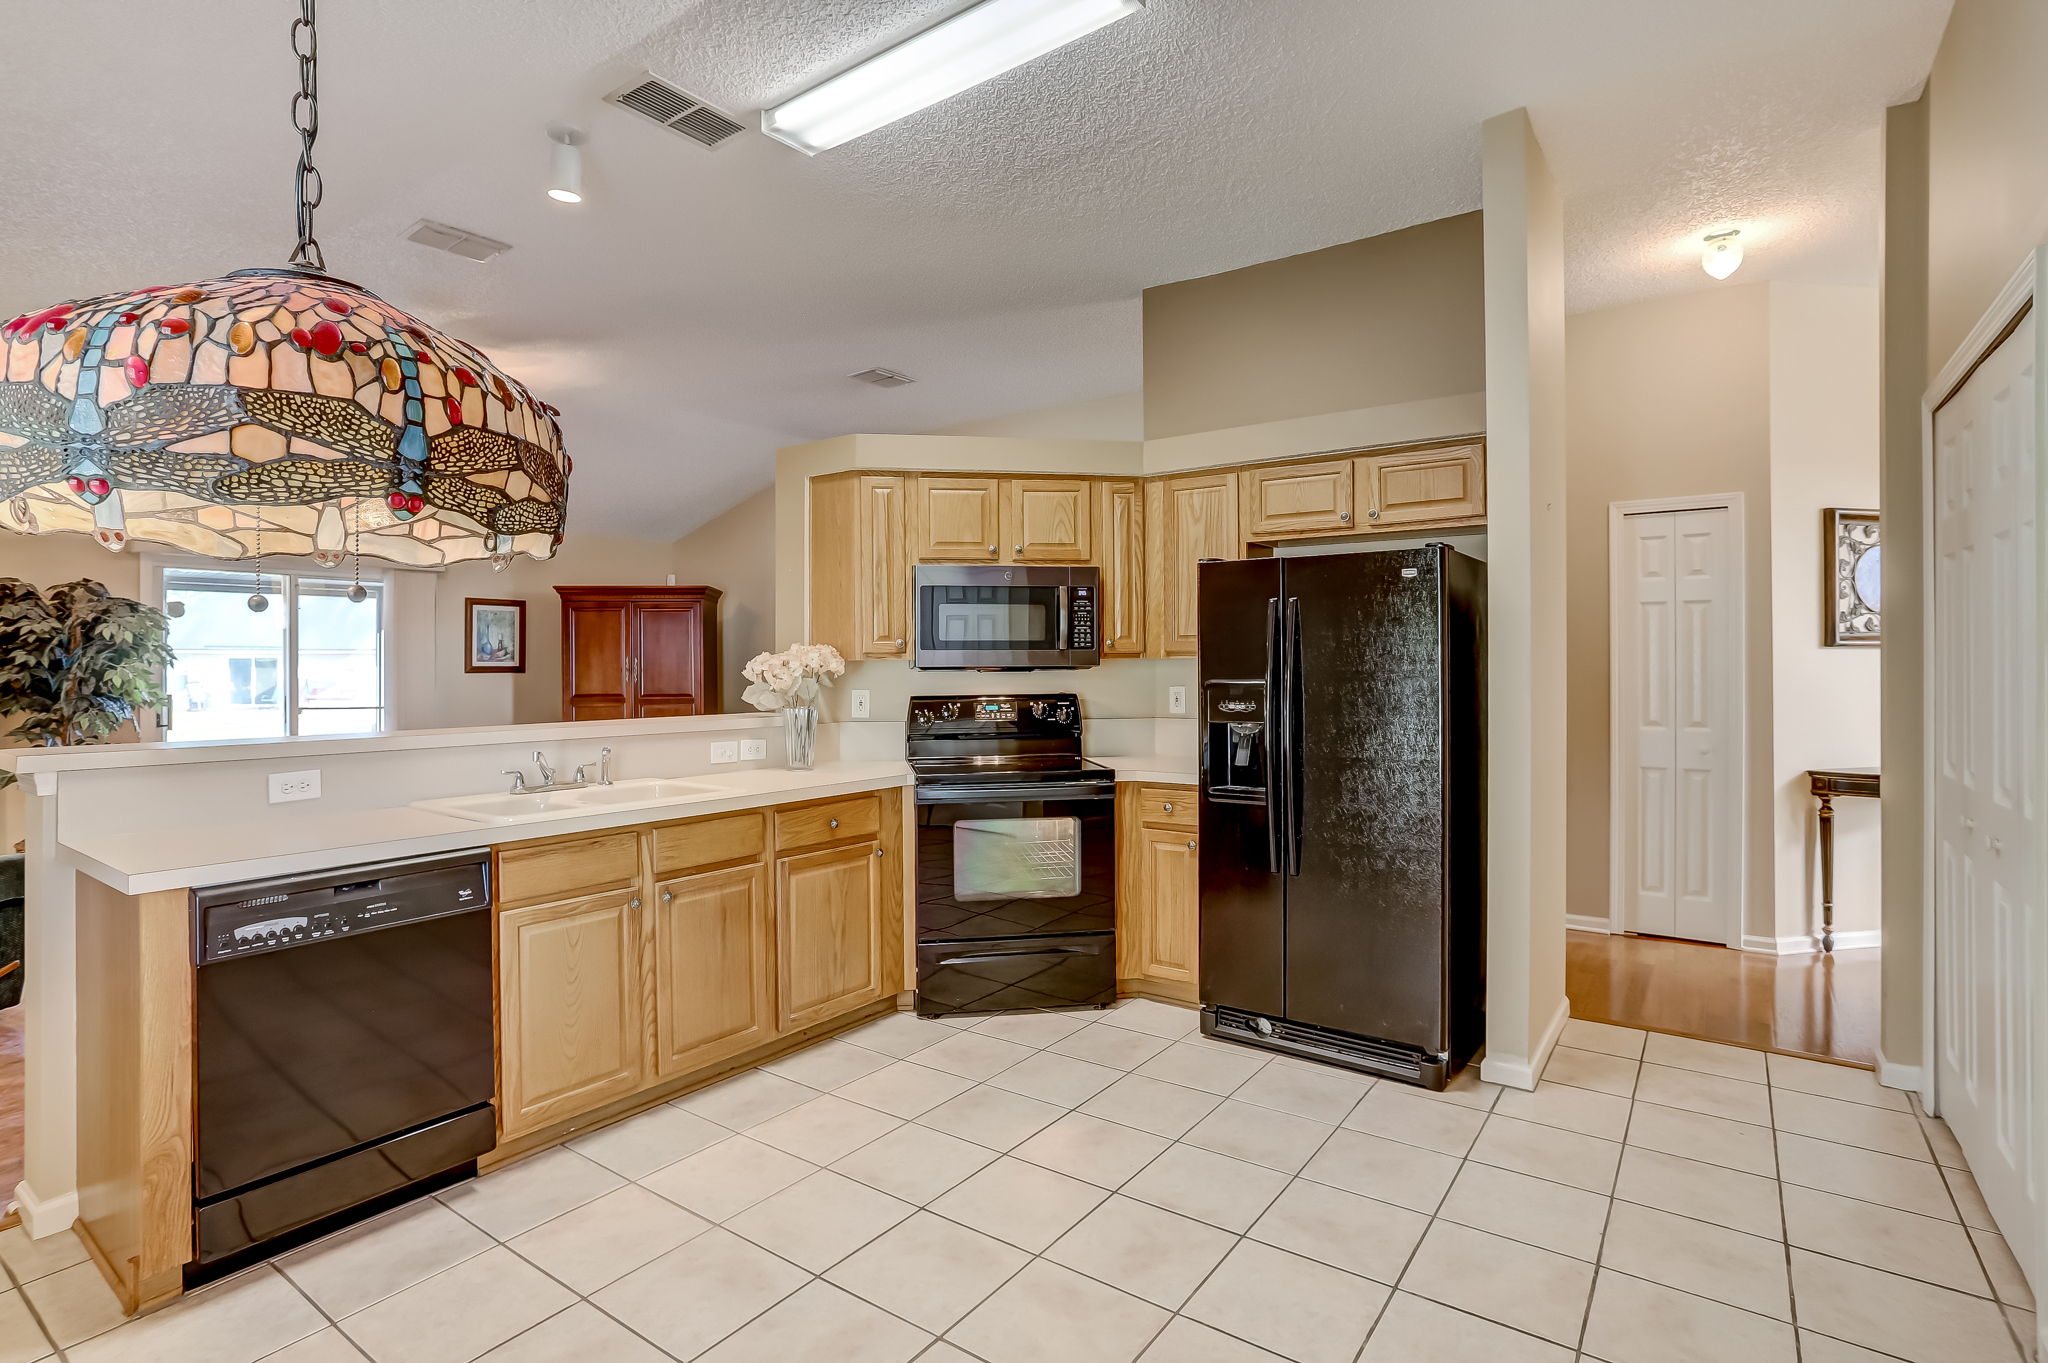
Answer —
1168 807
1373 514
668 896
1344 516
878 851
832 823
1017 549
991 548
635 904
899 643
1191 844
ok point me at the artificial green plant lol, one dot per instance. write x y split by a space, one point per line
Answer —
77 661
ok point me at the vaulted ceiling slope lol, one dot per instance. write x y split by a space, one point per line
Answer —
702 307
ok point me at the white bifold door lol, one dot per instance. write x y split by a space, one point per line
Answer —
1984 730
1677 670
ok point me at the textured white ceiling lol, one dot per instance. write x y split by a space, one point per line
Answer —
702 308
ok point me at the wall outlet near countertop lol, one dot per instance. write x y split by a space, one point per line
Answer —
1176 700
862 707
752 749
725 752
286 786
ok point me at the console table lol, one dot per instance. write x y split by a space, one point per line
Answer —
1826 785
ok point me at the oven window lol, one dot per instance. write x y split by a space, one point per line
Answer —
1016 858
988 617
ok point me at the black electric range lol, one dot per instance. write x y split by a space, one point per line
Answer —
1016 856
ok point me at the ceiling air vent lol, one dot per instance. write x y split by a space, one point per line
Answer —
882 378
455 241
680 113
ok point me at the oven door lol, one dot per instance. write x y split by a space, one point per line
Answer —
970 616
1015 861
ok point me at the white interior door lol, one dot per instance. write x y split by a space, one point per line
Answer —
1676 650
1985 730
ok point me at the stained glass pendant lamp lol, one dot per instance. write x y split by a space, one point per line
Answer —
273 411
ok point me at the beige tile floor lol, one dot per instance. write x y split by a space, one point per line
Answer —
1109 1187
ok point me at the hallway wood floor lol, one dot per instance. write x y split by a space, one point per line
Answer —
1811 1005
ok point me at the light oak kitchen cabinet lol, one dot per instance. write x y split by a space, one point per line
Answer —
828 901
958 520
1047 520
1187 519
1158 891
1120 553
713 941
1298 499
1422 487
860 564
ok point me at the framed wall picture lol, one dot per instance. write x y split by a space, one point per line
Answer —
1850 591
494 637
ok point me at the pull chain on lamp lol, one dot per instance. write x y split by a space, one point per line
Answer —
278 402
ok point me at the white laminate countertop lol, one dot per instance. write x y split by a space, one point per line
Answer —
181 856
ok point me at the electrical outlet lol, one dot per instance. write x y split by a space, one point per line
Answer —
1176 700
753 749
286 786
725 752
861 707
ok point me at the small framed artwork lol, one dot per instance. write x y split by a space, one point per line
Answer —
1850 591
495 636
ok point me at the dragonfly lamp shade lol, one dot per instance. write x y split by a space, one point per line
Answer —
272 411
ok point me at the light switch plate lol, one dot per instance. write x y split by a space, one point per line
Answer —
752 749
861 706
725 752
286 786
1176 700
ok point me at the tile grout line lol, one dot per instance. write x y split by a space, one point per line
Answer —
20 1287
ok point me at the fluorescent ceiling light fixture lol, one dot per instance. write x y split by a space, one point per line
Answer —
1723 255
973 46
565 183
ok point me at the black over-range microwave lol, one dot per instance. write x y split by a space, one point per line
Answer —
994 617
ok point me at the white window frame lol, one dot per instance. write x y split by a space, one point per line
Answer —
291 567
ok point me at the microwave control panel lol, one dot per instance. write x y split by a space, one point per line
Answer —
1081 619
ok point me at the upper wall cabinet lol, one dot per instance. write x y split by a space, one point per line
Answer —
958 519
1120 550
1297 499
1046 520
860 564
1422 487
1187 520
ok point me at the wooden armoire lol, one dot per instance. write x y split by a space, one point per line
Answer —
639 652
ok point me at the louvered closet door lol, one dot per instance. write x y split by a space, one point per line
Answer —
1676 642
1986 700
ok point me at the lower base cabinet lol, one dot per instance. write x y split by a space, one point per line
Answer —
1158 891
727 937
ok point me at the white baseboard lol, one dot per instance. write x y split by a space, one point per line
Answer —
40 1218
1586 922
1515 1072
1797 946
1909 1078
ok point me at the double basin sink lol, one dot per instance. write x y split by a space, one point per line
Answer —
528 806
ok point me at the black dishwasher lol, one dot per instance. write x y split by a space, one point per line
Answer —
344 1048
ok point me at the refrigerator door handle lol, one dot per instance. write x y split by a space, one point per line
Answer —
1275 755
1290 729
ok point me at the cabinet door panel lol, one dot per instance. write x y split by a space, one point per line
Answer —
1046 520
882 574
828 933
1172 897
671 677
571 1032
713 950
1298 499
594 648
1428 485
1199 520
1120 549
958 519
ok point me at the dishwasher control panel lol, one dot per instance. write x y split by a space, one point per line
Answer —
260 916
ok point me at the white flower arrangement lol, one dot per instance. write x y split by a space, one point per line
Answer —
791 677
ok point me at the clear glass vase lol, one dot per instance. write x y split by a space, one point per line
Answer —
800 733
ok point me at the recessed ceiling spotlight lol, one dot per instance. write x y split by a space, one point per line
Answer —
974 45
882 378
1723 255
565 183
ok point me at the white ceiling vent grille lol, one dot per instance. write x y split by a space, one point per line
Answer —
882 378
684 114
455 241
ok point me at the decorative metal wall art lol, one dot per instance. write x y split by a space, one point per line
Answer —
273 411
1851 589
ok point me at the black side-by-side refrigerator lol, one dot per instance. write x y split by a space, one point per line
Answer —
1342 805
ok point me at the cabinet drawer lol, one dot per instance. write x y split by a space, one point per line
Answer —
567 868
858 816
1173 805
680 847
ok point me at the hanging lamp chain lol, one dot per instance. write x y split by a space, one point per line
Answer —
306 118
